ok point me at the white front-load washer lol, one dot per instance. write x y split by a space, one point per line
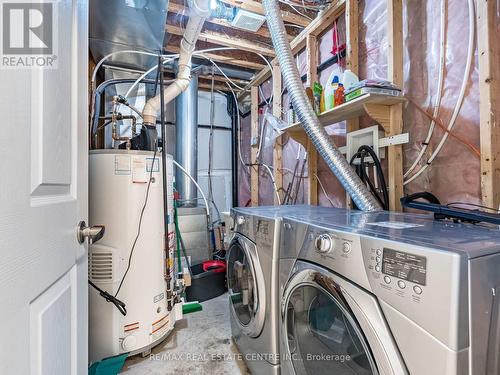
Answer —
389 293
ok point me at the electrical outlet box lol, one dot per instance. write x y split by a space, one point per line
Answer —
367 136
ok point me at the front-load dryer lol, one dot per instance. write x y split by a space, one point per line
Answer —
384 293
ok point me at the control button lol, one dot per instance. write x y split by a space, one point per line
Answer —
417 289
401 284
346 247
323 243
240 220
387 279
377 259
379 252
377 268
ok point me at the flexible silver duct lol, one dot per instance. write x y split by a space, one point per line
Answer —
308 119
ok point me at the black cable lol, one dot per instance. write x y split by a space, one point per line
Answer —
380 173
139 226
362 152
452 204
109 298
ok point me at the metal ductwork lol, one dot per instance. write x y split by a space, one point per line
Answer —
117 25
308 119
186 138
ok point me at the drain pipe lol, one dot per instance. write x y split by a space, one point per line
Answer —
308 119
199 10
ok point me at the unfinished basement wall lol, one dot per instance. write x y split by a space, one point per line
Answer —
455 173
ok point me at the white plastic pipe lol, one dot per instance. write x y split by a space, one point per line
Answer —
439 94
200 10
461 96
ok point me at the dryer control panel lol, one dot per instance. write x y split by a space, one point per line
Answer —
415 280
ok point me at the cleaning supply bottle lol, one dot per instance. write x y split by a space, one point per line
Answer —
349 79
339 95
317 93
330 87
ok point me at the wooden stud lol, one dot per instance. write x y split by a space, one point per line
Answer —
224 40
278 149
254 170
489 106
395 74
352 58
312 154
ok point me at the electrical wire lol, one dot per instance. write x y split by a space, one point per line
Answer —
98 65
461 96
323 189
144 75
268 169
139 226
454 204
439 94
207 207
120 305
439 123
211 146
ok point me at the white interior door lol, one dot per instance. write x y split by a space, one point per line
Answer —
43 195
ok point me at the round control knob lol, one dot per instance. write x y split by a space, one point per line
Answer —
323 243
240 220
346 247
417 289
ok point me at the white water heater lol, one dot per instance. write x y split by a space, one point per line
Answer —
118 181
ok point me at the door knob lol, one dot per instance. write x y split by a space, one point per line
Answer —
93 233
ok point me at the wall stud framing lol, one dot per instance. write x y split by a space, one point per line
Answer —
278 149
254 170
312 154
489 106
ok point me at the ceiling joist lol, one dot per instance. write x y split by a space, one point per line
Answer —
229 60
183 11
225 40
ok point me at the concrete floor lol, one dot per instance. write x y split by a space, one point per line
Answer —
200 344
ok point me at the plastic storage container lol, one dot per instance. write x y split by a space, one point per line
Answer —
206 285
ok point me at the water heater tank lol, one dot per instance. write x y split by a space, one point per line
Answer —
118 182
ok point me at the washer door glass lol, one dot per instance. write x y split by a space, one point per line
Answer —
323 336
241 283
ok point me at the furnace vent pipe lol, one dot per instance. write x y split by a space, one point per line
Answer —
308 119
199 10
186 143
